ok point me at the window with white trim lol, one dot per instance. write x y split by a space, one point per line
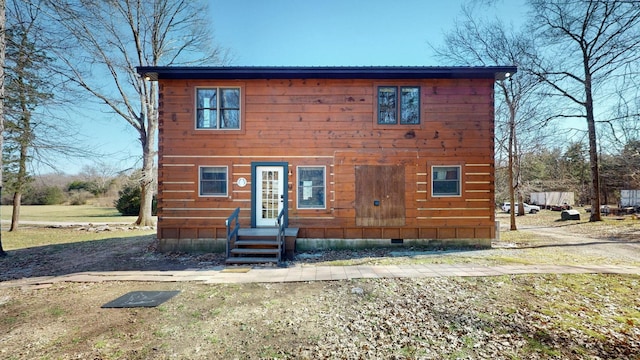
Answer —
218 108
404 110
311 187
445 181
213 181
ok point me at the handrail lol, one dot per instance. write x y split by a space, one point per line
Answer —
280 223
233 226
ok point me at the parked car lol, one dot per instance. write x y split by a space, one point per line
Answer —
531 209
560 207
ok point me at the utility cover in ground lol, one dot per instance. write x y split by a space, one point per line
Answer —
141 299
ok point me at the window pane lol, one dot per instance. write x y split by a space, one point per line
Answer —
207 98
311 188
410 105
230 98
387 99
206 114
218 112
446 181
213 181
206 119
230 119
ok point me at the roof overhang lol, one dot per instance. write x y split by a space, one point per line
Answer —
154 73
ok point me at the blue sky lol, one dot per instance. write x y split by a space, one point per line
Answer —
337 32
309 33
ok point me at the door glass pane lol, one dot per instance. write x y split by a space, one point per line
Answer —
270 194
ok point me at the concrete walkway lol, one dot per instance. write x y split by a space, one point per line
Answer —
304 272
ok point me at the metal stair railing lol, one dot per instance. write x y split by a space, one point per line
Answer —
233 226
280 223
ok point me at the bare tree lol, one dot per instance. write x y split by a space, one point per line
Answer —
109 39
474 42
33 133
588 45
2 46
24 94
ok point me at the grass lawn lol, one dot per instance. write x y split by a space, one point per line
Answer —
67 213
30 235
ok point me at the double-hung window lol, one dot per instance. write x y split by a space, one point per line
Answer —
445 181
398 105
218 108
213 181
311 187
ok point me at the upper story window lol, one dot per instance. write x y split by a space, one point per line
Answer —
445 181
398 105
218 108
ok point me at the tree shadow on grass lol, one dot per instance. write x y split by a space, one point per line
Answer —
612 241
112 254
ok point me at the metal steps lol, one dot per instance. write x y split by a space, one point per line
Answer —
256 250
258 245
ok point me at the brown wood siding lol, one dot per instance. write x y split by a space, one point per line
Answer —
331 123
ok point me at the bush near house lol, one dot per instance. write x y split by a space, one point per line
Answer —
128 203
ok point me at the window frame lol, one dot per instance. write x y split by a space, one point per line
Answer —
299 187
219 109
399 101
226 170
459 181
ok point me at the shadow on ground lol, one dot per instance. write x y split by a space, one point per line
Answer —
113 254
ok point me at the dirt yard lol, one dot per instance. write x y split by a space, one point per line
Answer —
507 317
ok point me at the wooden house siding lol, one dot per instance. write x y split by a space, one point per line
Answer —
332 123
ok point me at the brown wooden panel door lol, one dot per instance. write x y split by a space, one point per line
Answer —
380 195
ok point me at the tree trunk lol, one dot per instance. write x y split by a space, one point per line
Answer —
145 217
2 252
148 139
512 197
2 54
516 168
593 150
21 176
15 215
520 204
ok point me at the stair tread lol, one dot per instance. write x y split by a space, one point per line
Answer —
256 242
255 251
251 260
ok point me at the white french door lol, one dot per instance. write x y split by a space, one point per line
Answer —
270 185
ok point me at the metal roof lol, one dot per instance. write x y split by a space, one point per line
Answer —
329 72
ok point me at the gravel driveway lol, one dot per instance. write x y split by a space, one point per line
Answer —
620 247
